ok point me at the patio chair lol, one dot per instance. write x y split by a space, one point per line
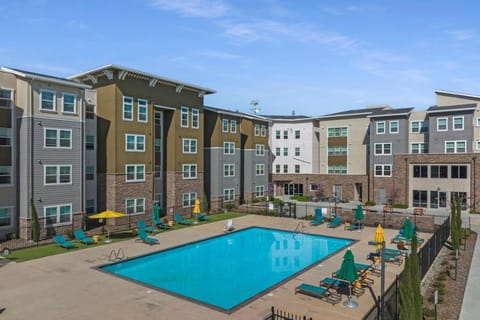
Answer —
317 221
229 226
141 226
335 222
342 286
388 258
399 238
202 217
160 224
146 239
60 240
179 219
325 294
80 236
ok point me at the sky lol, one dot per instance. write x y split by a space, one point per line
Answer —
309 57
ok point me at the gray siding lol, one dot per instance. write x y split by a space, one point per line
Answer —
436 143
398 140
250 179
216 182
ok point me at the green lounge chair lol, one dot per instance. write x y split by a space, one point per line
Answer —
141 225
179 219
202 217
80 236
399 238
341 285
322 293
160 224
146 239
335 222
60 240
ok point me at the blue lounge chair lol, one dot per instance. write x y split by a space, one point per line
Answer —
80 236
341 285
141 225
160 224
322 293
202 217
146 239
335 222
60 240
318 218
179 219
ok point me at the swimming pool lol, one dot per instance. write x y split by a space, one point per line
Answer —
227 271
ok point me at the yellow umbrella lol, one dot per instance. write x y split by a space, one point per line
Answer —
106 215
379 236
196 208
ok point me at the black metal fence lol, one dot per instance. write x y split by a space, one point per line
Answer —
282 315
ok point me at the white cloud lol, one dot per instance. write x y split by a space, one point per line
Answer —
460 35
194 8
219 54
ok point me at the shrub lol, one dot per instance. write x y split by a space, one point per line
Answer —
301 198
400 206
370 203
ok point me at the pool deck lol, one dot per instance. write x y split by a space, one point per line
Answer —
67 286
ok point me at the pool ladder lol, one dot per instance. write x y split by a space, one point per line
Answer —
299 228
116 255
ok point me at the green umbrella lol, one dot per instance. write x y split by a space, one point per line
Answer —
359 213
408 229
156 213
348 271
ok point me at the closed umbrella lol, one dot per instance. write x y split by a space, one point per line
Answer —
156 214
408 229
359 215
108 214
196 209
379 236
348 272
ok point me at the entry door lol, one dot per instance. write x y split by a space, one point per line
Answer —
337 191
382 196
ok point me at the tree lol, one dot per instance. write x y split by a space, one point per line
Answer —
35 223
416 280
411 300
456 223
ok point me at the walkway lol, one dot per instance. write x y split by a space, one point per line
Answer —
470 305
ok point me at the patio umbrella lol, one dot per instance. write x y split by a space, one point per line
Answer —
359 215
196 209
408 229
379 236
156 214
348 272
108 214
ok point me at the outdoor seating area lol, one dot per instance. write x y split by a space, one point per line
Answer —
318 217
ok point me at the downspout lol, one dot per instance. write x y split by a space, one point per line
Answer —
30 158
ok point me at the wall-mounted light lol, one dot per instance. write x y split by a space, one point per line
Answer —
39 161
39 199
39 123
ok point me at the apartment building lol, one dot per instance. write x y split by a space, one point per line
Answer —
42 159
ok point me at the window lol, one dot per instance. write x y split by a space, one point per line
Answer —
189 171
259 191
135 142
135 205
89 111
383 170
228 195
135 172
189 145
337 151
420 171
188 199
90 206
277 151
462 196
257 130
58 138
89 173
5 174
478 119
338 169
184 117
297 168
459 172
195 118
229 148
457 123
297 134
57 215
285 134
260 169
228 170
263 131
128 108
393 126
224 125
438 171
419 148
285 168
5 217
285 152
5 137
233 126
69 103
383 149
277 134
142 110
47 100
277 168
90 142
259 149
442 124
5 99
158 144
455 146
381 127
61 174
420 198
338 132
419 126
297 152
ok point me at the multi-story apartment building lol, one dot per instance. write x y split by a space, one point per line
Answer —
42 158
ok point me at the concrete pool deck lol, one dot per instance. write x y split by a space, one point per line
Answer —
66 286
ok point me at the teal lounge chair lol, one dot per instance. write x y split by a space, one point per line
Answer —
179 219
335 222
141 225
202 217
146 239
318 219
388 258
341 285
60 240
80 236
322 293
160 224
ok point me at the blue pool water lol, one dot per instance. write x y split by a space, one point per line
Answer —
229 270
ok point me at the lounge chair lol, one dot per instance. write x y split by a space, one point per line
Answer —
229 226
353 226
202 217
60 240
80 236
146 239
399 238
322 293
179 219
160 224
318 219
342 285
335 222
373 256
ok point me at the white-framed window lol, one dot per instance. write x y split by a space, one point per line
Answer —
229 148
285 134
418 126
285 168
47 100
58 215
229 195
459 172
6 214
224 125
5 137
380 127
277 168
338 151
297 134
189 171
57 174
442 124
134 142
383 170
127 108
259 169
458 146
184 117
341 169
5 174
297 152
420 171
478 144
189 145
142 110
134 172
69 103
458 123
135 205
297 168
393 126
195 118
5 99
439 171
278 151
337 132
233 126
229 170
419 148
90 142
257 129
260 149
89 173
263 130
383 149
90 206
478 122
57 138
89 111
188 199
277 134
259 191
285 152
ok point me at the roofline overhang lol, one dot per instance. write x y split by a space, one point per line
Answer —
46 78
452 110
457 94
225 112
345 115
388 115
